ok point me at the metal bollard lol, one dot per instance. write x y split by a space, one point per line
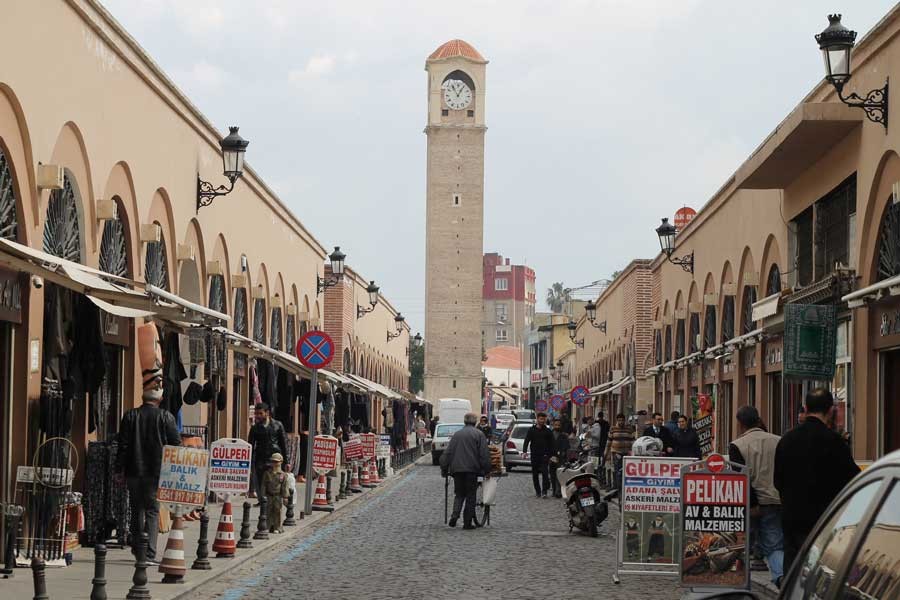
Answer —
40 582
201 563
262 525
342 488
245 542
139 589
98 583
289 515
9 545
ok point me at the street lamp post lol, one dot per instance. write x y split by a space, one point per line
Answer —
337 271
590 310
836 43
233 148
573 330
398 324
372 290
666 232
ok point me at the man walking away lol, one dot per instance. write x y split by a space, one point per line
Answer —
812 465
142 434
658 430
560 450
756 449
540 438
621 437
267 438
466 458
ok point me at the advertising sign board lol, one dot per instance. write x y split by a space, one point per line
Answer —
704 411
368 445
715 516
183 475
353 449
325 454
229 466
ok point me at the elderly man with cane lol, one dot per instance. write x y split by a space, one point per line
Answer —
466 458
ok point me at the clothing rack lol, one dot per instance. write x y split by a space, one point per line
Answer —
106 506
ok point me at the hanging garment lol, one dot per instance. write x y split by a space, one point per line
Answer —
221 399
267 383
255 396
207 394
192 393
284 393
328 410
342 410
173 374
87 348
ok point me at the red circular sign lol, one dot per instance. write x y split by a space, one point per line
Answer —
315 349
558 402
540 405
715 463
580 395
683 216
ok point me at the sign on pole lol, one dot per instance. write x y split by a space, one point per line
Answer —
353 449
558 402
384 446
649 537
325 454
541 405
580 395
715 516
229 467
368 445
315 349
183 475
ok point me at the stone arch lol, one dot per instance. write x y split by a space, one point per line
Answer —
771 258
724 301
747 294
194 237
70 152
120 189
59 237
220 254
15 142
304 324
161 213
880 197
259 305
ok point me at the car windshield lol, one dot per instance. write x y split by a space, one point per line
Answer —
524 414
520 431
447 430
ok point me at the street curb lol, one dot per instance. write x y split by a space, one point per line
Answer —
189 586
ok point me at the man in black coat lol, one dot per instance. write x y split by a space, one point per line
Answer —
812 466
659 430
267 437
540 438
560 450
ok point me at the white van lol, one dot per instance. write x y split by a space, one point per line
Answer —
450 420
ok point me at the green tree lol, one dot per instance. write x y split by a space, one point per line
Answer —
416 368
615 275
557 296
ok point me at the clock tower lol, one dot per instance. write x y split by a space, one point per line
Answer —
454 222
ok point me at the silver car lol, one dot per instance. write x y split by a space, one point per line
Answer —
442 434
513 455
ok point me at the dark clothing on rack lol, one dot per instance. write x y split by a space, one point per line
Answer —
267 383
284 392
173 374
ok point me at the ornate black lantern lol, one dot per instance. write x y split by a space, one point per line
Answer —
398 325
372 290
666 232
233 148
337 271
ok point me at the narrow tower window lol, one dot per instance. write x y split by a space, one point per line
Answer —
457 199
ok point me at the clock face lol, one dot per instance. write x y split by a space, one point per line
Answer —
457 94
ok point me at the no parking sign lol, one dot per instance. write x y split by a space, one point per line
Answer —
541 405
580 395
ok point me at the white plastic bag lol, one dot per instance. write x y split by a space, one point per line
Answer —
489 491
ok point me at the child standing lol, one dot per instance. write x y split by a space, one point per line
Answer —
275 485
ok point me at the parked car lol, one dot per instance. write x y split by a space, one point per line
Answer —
513 456
442 434
524 415
504 419
854 550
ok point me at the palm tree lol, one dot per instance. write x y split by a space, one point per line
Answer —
557 296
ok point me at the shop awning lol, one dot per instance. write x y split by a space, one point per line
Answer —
376 388
748 339
422 400
599 389
342 381
622 382
767 307
244 345
871 293
810 131
654 370
190 311
716 352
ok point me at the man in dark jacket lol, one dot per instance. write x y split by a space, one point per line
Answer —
560 450
812 465
267 437
658 430
466 458
540 439
142 434
685 439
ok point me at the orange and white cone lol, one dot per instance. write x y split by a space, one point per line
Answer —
355 487
172 565
320 498
373 472
224 544
364 479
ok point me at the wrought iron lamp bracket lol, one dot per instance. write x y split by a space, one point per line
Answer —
362 311
323 283
875 103
391 336
686 262
599 325
206 192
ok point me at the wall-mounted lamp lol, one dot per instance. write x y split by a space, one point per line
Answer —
337 271
372 290
233 149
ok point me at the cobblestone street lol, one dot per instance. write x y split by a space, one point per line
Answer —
394 545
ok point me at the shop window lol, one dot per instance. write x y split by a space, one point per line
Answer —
747 322
802 228
888 243
727 318
113 249
658 347
9 222
275 332
834 216
62 230
290 338
694 338
773 282
668 343
259 321
156 270
679 339
709 327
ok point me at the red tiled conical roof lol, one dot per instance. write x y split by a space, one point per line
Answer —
456 48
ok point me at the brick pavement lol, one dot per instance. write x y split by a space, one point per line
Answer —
395 546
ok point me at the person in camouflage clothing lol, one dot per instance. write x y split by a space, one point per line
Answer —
275 486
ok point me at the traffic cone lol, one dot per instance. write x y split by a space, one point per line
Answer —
224 544
172 565
354 479
373 472
320 499
364 479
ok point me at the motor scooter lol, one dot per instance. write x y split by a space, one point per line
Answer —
585 503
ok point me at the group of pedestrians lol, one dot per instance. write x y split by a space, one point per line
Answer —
549 450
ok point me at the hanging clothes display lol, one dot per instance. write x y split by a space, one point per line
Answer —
267 383
328 409
255 397
342 411
173 374
359 413
106 507
284 392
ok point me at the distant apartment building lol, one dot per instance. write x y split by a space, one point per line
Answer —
508 300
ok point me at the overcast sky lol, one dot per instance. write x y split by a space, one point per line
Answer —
603 116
